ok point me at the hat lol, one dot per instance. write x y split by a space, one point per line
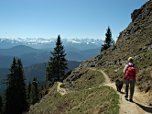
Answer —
130 58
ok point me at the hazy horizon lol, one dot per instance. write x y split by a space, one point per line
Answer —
71 19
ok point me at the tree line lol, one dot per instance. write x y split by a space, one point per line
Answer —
19 97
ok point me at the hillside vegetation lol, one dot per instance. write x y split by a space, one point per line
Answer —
86 95
135 41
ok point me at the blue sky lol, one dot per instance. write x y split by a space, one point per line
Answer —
69 18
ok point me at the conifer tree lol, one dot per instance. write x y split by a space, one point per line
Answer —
1 104
28 90
57 63
16 93
22 86
10 91
108 40
34 93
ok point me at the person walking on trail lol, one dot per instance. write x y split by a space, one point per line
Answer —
130 71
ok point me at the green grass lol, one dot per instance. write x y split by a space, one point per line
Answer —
88 80
99 100
145 60
86 98
114 73
103 100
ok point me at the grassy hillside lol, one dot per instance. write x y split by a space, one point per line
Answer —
84 96
135 41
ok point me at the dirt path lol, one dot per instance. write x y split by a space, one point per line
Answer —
62 91
138 107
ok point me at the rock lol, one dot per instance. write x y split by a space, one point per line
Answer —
150 47
147 89
135 14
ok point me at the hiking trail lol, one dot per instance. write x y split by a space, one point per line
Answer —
139 106
62 91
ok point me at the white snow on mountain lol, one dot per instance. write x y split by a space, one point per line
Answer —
43 40
34 40
47 43
74 41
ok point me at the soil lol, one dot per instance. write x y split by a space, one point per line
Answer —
138 106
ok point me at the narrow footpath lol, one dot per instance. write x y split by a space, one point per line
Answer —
139 105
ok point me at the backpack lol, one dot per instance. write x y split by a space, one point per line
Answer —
130 72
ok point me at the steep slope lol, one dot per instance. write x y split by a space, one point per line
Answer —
139 106
135 41
88 95
89 90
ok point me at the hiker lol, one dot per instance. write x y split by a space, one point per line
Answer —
130 71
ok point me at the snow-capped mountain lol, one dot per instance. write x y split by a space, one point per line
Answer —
42 43
37 50
32 42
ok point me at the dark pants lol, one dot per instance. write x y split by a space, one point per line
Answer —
130 83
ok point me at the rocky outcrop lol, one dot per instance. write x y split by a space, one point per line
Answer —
135 41
143 12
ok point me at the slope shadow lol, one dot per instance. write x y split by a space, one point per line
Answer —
145 108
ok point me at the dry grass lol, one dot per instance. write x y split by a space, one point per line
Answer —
86 98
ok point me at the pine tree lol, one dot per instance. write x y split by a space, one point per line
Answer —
28 91
16 92
57 63
34 94
108 40
22 87
10 92
1 104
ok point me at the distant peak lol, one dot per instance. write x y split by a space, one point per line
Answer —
22 46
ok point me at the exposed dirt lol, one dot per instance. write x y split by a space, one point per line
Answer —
139 106
62 91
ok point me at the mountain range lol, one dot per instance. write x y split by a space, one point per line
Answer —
31 50
43 43
35 54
